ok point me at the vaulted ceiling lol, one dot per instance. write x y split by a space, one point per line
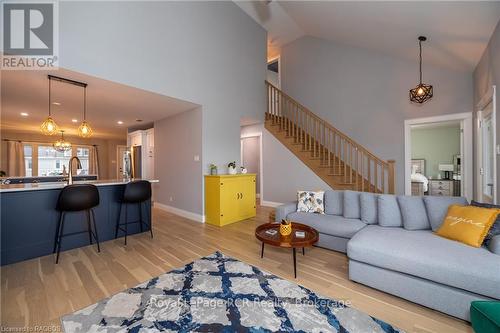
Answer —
458 31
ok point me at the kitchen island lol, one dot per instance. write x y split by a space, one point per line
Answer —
29 218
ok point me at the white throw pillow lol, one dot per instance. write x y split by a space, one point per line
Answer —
310 202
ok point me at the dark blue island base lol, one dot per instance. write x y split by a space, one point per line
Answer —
29 221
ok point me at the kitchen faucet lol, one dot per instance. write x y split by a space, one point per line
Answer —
70 168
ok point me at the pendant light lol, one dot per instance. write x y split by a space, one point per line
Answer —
62 145
85 131
49 126
422 92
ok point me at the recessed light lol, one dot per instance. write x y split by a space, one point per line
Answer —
24 114
56 103
74 120
119 122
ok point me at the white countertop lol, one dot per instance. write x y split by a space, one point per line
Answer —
55 185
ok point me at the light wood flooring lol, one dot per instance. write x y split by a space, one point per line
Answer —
38 292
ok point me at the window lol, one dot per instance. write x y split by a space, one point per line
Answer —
42 160
28 160
83 155
51 162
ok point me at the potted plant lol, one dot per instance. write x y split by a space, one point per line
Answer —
231 168
243 170
213 169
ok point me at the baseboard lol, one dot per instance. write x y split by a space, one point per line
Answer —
181 212
270 203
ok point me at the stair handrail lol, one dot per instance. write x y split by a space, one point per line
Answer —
389 164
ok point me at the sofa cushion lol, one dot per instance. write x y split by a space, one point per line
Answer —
329 224
351 205
368 206
388 211
310 202
423 254
437 207
334 202
413 213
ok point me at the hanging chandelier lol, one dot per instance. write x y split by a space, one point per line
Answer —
62 145
85 131
422 92
49 126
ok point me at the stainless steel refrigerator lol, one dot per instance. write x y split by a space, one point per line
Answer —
132 162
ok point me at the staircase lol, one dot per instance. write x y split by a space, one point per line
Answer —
333 156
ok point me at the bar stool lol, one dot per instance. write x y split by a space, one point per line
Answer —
76 198
136 192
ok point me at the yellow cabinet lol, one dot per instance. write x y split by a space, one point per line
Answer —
229 198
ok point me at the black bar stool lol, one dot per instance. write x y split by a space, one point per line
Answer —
136 192
76 198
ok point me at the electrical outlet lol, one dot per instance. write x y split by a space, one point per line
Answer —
171 199
196 158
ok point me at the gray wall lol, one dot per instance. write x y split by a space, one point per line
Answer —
365 94
487 74
251 157
177 140
209 53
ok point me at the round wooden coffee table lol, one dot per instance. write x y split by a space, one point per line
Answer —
290 241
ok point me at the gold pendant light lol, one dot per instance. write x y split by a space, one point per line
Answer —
49 126
62 145
85 131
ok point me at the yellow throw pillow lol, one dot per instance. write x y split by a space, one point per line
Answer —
468 224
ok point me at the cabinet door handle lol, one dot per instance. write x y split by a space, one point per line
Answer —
237 196
241 196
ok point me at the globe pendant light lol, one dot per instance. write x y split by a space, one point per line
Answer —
62 145
85 131
49 126
422 92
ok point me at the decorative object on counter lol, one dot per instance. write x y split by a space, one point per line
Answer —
285 227
3 173
422 92
231 168
62 145
49 126
243 170
213 169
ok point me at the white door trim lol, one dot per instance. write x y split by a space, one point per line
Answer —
490 96
467 154
261 165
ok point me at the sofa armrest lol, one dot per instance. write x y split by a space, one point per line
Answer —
285 209
494 245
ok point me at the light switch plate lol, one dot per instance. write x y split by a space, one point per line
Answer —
196 158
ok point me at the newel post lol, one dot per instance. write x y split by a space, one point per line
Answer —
391 178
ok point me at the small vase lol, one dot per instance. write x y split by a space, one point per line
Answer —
231 171
285 228
213 171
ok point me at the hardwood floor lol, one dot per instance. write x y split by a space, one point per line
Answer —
38 292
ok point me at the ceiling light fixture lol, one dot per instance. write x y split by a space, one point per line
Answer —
49 126
24 114
422 92
56 103
74 120
119 122
62 145
85 131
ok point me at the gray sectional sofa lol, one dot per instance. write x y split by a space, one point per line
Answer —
391 246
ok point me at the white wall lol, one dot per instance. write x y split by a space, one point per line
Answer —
209 53
365 94
487 74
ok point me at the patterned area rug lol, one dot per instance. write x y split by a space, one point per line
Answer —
220 294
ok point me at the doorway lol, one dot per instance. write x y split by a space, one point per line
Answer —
486 171
120 151
274 72
251 158
438 156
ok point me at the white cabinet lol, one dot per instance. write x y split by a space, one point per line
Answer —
145 139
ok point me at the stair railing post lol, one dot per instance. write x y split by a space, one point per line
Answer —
391 176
